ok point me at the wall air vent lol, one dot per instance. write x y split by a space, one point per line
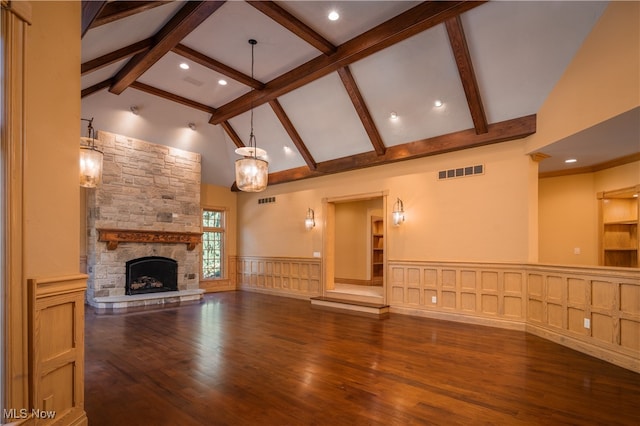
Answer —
461 172
266 200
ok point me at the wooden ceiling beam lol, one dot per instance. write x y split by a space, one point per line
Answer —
171 97
293 134
116 10
192 14
413 21
115 56
232 134
461 53
90 12
293 24
96 88
212 64
362 110
498 132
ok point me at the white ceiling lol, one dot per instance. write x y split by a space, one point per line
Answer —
519 50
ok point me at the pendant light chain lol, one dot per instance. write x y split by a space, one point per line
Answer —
252 139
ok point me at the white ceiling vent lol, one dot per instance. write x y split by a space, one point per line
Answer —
461 172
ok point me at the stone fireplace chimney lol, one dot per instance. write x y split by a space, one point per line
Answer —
147 205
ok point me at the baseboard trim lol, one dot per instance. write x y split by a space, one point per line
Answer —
462 318
616 358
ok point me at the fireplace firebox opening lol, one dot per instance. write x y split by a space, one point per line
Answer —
151 274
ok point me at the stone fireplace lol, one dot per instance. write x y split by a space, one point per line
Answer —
146 208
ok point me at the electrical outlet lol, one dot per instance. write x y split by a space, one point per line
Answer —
434 299
577 250
587 323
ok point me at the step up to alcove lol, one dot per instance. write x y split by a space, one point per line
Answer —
351 306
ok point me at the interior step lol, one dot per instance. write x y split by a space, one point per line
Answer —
352 306
347 295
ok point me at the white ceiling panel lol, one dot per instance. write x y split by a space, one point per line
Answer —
356 17
521 48
270 136
224 37
407 78
102 74
115 35
324 116
198 83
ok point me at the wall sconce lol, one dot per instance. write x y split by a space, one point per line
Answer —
398 212
310 221
90 158
134 110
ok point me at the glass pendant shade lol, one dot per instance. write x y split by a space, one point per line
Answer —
90 164
252 174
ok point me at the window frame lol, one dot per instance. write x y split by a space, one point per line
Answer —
223 231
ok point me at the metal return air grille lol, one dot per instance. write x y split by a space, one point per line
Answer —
461 172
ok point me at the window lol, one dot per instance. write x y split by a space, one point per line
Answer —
212 244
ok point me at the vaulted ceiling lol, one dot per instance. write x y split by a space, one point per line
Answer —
323 92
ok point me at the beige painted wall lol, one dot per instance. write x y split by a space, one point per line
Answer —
481 218
601 81
569 213
568 220
617 177
52 191
352 242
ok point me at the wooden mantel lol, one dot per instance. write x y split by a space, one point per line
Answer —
114 236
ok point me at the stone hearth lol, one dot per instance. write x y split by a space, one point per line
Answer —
148 204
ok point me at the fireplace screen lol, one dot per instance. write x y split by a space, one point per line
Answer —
151 274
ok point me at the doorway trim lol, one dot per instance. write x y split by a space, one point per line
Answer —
329 237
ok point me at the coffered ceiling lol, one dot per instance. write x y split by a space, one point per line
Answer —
323 92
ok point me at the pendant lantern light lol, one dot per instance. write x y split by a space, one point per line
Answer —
252 172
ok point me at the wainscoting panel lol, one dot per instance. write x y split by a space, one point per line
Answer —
284 276
490 294
593 310
56 309
226 284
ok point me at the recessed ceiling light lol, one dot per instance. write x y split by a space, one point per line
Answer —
393 115
570 160
184 66
438 103
222 82
287 150
333 15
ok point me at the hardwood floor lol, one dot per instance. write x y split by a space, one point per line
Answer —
242 358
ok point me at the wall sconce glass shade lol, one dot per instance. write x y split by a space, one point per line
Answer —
252 174
90 159
310 221
90 166
398 213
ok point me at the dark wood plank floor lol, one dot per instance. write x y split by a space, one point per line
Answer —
250 359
